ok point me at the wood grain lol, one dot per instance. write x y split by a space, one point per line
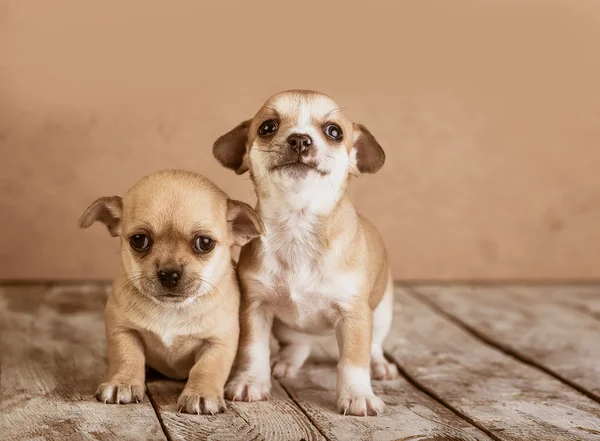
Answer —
532 324
226 426
512 400
583 298
277 419
410 414
53 358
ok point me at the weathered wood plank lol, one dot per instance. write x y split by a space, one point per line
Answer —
512 400
410 414
180 426
583 298
53 358
277 419
529 323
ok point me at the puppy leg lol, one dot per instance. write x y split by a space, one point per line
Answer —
251 380
203 392
381 369
126 368
354 393
294 350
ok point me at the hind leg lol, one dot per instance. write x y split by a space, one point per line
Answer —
381 369
294 350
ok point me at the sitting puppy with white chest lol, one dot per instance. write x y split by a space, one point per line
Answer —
321 267
175 304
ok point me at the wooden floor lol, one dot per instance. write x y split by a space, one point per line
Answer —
477 363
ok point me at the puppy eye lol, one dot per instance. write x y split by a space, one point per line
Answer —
140 242
333 131
204 244
267 128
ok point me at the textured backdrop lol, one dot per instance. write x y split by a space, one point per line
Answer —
489 112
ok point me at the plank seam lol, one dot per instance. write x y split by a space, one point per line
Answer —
582 310
248 423
302 409
414 293
158 415
431 394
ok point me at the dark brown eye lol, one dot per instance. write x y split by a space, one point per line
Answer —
267 128
140 242
204 244
333 131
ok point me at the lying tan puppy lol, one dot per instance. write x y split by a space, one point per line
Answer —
321 267
174 306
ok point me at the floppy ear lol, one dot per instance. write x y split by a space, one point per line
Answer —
370 157
230 149
108 210
244 223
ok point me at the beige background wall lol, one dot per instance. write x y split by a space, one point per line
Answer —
489 112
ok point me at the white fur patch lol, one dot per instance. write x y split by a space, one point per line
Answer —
310 282
172 323
259 357
168 335
355 380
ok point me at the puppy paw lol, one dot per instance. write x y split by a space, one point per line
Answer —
360 405
197 403
284 369
117 392
384 371
247 388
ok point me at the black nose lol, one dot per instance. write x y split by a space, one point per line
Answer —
169 277
299 143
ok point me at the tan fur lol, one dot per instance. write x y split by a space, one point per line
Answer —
321 267
185 331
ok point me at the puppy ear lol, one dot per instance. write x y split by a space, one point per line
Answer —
230 149
370 157
108 210
244 223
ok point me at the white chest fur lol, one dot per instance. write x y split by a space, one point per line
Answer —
172 333
166 323
306 287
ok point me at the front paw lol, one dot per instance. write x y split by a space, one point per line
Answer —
360 405
384 371
120 392
247 388
196 402
284 369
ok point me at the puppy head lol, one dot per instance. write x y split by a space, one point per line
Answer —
300 138
176 231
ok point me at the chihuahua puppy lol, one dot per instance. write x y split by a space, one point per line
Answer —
321 267
175 304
